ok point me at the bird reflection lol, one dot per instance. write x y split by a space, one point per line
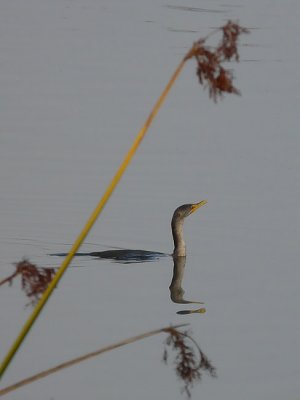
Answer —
176 290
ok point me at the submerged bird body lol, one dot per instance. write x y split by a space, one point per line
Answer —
128 256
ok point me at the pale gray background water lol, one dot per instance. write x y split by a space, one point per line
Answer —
78 78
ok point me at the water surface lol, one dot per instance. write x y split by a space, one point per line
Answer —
77 82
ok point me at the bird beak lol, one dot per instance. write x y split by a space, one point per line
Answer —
198 205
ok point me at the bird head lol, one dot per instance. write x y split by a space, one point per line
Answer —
187 209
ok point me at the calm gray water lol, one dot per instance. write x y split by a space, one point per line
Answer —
78 78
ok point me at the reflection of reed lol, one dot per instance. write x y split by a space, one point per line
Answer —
176 291
34 280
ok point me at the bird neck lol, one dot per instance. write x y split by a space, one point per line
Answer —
177 231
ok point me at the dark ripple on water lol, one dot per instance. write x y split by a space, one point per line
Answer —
195 9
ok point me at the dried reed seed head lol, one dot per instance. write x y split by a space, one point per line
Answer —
34 280
209 61
187 365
